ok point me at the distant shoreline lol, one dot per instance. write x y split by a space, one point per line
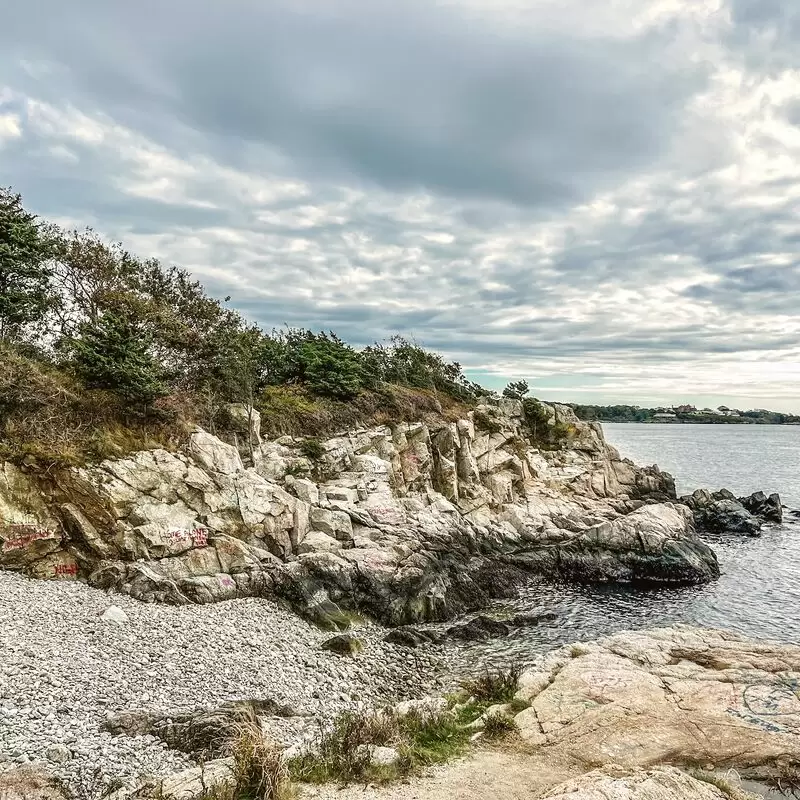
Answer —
682 415
692 422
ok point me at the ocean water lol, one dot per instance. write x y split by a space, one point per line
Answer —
758 592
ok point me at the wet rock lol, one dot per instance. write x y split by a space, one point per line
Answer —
344 644
408 636
767 508
478 629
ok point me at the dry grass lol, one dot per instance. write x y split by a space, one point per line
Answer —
259 768
495 684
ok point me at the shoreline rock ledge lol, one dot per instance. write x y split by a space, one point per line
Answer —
409 522
685 696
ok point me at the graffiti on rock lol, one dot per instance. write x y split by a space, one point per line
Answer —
18 537
198 536
66 570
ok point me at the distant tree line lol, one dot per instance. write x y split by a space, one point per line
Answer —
625 413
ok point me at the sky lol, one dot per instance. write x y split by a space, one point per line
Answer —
599 197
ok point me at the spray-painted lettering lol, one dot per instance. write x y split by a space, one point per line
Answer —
198 536
18 537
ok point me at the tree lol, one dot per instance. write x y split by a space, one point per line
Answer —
330 367
113 354
516 390
25 292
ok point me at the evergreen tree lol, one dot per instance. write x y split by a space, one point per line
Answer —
25 292
113 354
516 390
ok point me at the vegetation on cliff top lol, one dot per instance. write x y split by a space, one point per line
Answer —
102 352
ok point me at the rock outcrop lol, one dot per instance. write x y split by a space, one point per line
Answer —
407 522
723 512
662 783
205 733
681 695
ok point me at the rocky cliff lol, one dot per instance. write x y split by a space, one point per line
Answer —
405 522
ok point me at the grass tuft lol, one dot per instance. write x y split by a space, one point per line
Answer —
495 684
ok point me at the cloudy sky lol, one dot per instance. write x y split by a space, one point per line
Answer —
602 197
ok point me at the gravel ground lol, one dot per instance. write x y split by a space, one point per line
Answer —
63 670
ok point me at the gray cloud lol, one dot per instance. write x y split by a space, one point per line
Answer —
565 196
408 96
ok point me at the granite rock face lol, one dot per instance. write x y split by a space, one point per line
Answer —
662 783
680 695
410 522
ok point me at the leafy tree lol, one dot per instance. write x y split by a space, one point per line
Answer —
113 354
516 390
25 245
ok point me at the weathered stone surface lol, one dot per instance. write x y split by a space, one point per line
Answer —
29 783
681 695
214 455
205 733
215 778
661 783
413 522
345 644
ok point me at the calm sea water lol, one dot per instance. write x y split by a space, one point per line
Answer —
759 590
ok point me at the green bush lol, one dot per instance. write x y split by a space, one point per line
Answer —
312 449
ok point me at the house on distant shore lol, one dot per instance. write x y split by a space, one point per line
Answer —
665 416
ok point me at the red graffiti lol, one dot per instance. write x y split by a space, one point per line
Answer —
20 536
66 569
200 537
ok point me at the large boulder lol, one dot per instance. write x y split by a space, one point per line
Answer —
769 508
681 695
655 543
721 512
204 733
660 783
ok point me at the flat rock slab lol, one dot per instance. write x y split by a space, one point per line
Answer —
664 783
680 695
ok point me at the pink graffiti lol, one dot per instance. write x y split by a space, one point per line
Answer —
22 535
198 536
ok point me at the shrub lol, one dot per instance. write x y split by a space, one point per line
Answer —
312 449
485 422
113 354
342 751
516 390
